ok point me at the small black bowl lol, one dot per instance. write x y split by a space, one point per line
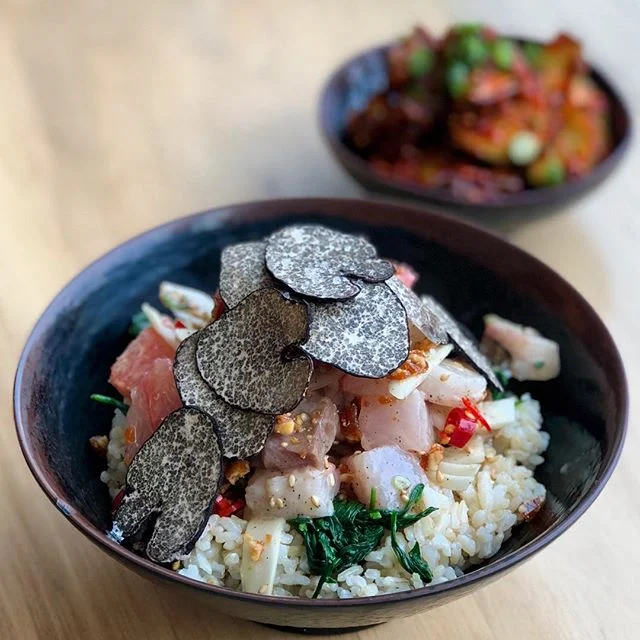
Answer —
352 85
70 350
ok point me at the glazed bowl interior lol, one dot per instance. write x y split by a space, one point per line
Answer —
74 343
355 82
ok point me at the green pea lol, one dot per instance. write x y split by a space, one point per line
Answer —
457 79
547 172
472 49
503 53
532 52
555 173
420 62
524 148
468 28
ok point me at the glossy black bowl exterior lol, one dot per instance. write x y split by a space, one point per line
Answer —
71 348
352 85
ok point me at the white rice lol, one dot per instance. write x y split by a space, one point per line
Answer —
467 527
114 475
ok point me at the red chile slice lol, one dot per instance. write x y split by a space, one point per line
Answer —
366 336
246 356
318 262
242 433
463 342
175 475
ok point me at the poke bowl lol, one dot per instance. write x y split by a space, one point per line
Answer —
476 121
328 487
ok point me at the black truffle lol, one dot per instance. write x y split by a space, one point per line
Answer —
242 271
418 313
242 433
365 336
462 339
247 358
316 262
175 475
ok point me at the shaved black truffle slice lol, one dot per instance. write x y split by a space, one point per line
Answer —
315 261
242 433
175 475
463 341
246 355
366 336
417 313
242 271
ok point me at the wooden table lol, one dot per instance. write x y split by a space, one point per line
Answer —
114 120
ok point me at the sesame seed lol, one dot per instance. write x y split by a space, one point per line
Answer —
332 480
292 481
444 377
272 501
404 497
284 444
280 503
263 589
315 500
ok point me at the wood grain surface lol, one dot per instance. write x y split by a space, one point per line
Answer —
117 116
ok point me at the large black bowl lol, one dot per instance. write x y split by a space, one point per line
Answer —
72 346
351 86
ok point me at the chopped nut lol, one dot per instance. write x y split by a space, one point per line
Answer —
235 470
99 444
256 547
431 461
415 364
285 424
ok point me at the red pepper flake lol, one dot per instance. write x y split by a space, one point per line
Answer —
473 410
224 507
459 428
180 325
461 424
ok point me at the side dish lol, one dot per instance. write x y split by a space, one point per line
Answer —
483 114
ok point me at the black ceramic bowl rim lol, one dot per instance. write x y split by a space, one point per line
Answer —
439 195
322 205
